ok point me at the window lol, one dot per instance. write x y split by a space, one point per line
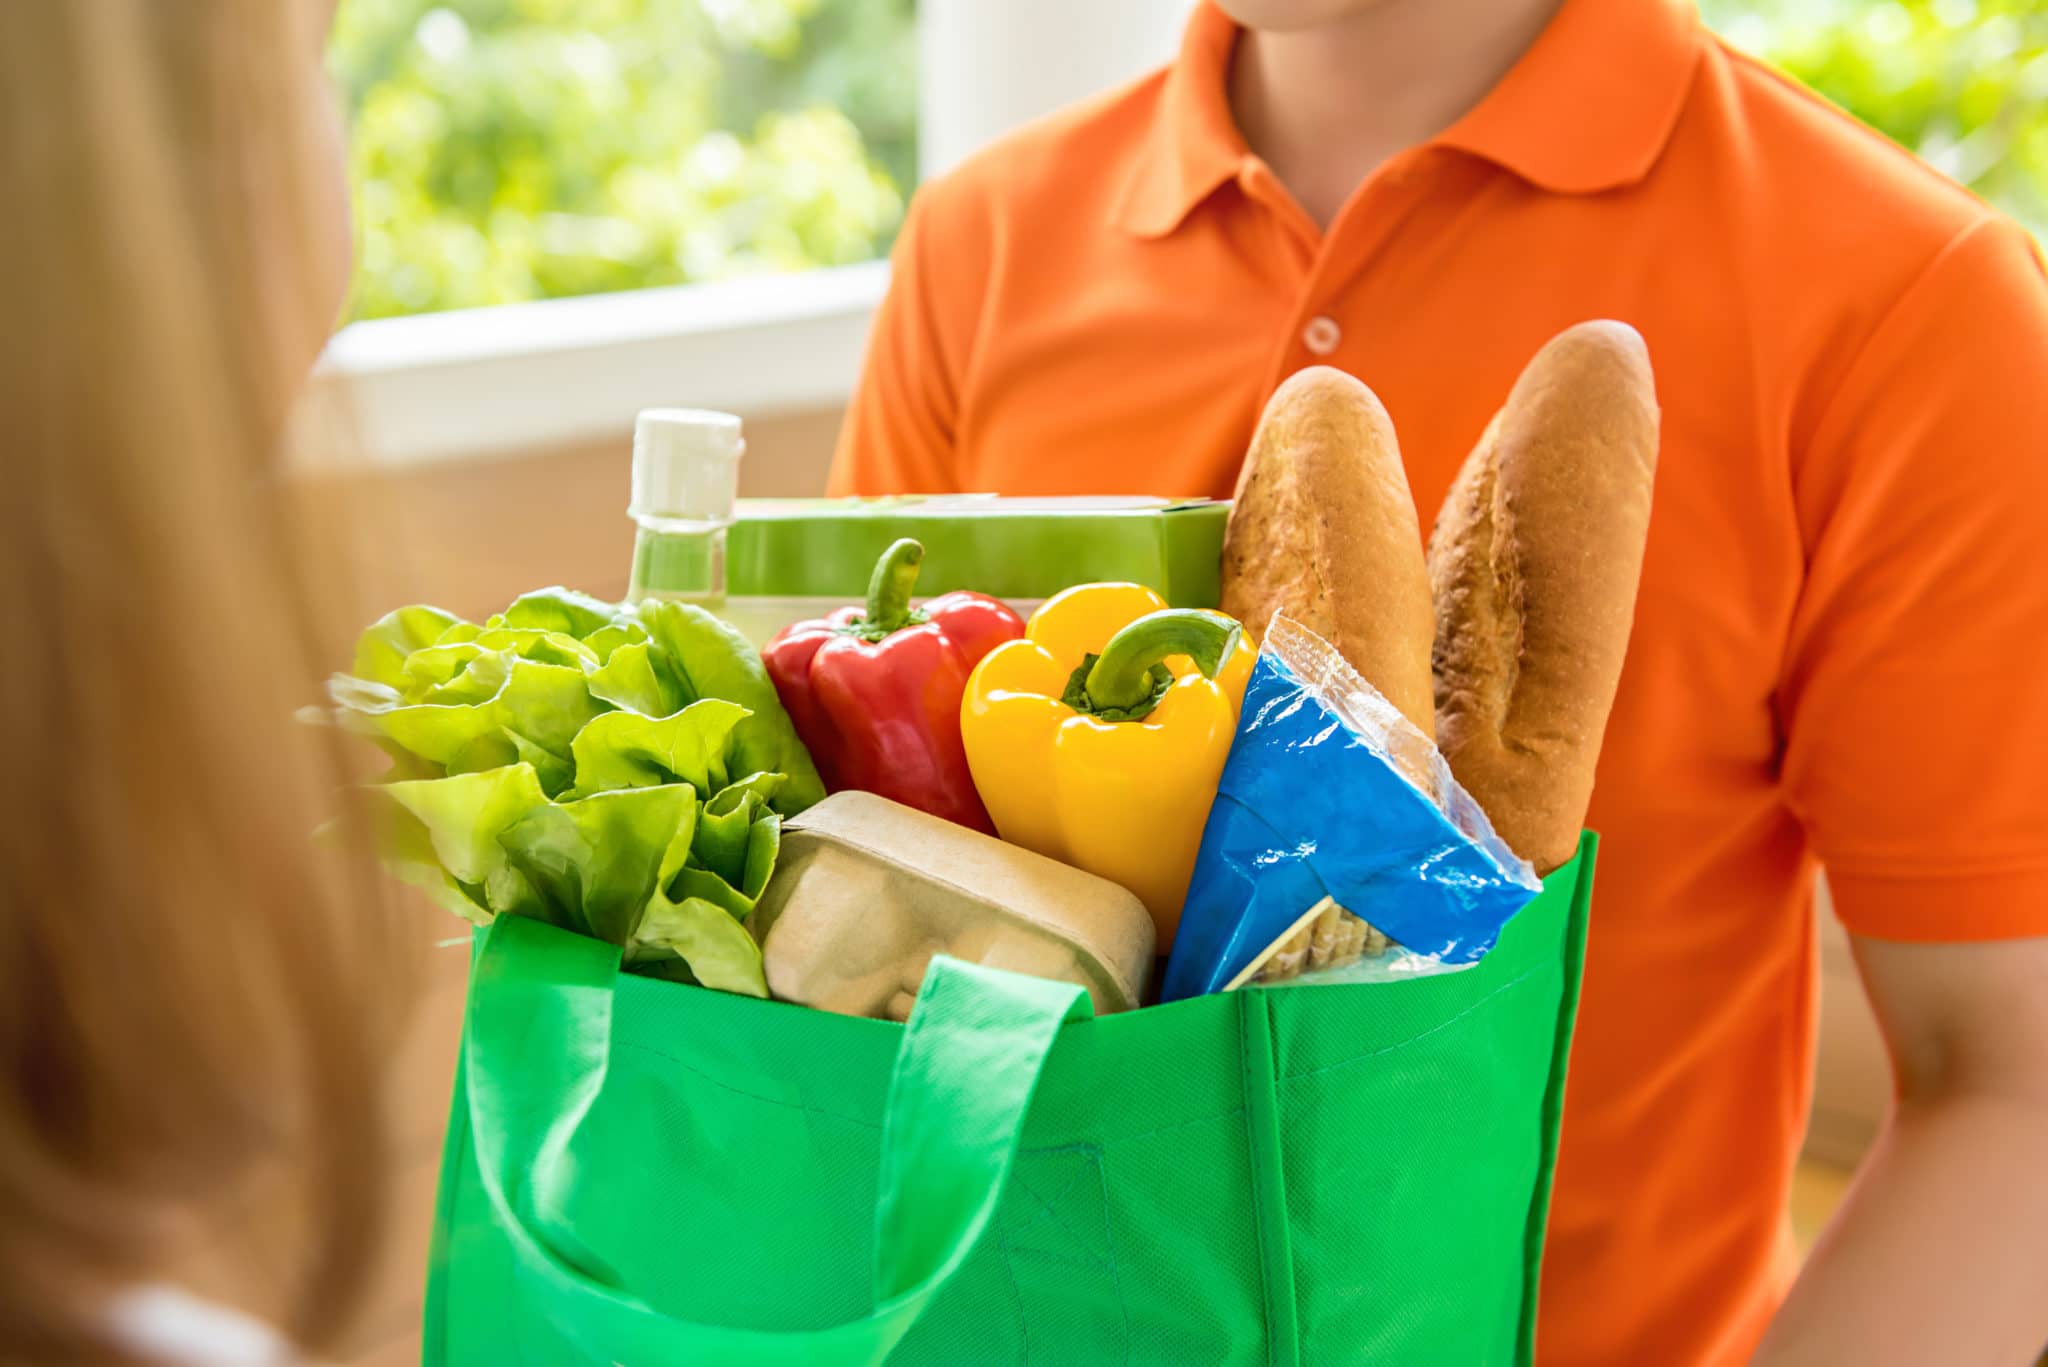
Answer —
1962 82
673 162
512 150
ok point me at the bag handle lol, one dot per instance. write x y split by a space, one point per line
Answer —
540 1024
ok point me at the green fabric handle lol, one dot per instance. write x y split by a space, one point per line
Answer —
540 1027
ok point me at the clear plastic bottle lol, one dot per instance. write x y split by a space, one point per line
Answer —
686 465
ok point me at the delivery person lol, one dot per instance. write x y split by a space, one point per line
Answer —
1841 650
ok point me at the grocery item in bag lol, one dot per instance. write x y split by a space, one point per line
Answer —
621 773
875 689
1323 530
686 468
868 890
1097 739
793 558
1325 809
1534 561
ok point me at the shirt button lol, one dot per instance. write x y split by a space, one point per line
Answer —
1321 335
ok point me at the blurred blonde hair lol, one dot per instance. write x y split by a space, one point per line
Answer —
191 997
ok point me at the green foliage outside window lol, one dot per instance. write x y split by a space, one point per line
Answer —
507 150
1962 82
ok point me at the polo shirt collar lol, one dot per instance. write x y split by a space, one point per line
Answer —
1193 144
1589 107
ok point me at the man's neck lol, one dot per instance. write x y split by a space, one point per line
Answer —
1326 106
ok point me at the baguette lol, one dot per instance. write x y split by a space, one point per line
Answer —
1323 529
1534 564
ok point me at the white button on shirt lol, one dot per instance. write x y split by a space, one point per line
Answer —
1321 335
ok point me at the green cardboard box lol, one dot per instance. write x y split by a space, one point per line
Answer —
1014 548
787 559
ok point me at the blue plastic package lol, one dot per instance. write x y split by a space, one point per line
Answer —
1339 841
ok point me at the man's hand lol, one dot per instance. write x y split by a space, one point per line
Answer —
1940 1253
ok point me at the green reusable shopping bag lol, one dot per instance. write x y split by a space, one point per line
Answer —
639 1172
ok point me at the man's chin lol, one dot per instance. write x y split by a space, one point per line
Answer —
1286 16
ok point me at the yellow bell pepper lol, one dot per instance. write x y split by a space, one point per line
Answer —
1098 739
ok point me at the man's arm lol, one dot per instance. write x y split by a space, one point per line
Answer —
1940 1253
1916 754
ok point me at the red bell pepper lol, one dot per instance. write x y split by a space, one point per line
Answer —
875 691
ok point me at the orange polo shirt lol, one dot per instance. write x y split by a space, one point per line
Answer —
1841 650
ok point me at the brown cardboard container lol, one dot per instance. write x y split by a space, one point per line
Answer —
867 890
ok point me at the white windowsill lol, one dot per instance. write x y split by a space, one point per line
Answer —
489 382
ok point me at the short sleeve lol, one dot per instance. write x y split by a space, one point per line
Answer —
898 436
1914 696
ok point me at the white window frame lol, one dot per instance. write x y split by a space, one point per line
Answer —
498 382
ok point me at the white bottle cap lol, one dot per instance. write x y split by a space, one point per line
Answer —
686 465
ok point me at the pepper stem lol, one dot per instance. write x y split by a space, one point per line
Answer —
890 587
1122 676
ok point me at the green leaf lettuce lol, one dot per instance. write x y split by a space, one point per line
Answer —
621 773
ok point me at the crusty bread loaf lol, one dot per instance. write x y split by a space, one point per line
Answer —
1324 530
1534 561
